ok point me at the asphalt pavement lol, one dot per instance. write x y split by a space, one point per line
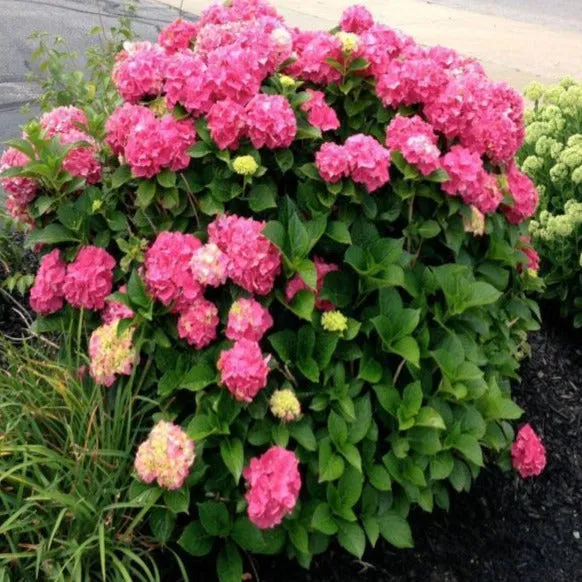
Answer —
71 19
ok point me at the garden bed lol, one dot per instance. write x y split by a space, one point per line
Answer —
507 529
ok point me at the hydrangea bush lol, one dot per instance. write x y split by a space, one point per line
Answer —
314 245
552 157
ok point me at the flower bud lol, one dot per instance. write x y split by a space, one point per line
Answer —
245 165
285 405
334 321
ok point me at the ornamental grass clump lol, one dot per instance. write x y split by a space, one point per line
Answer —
552 157
319 239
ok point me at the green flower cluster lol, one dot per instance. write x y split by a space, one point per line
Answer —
552 157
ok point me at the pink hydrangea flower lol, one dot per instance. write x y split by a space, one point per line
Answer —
468 179
271 122
412 78
167 269
116 310
524 194
254 260
528 453
82 161
248 319
155 144
197 324
319 113
274 483
227 123
122 121
189 83
297 284
63 120
89 278
237 73
166 456
369 161
379 45
21 190
139 71
356 19
313 51
243 369
416 141
209 265
178 35
46 295
112 354
332 162
533 258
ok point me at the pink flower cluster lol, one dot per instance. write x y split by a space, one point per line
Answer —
297 284
319 113
178 35
524 194
149 144
116 310
528 453
67 123
274 484
254 261
248 319
416 140
356 19
244 369
197 324
361 157
166 456
46 295
89 278
21 191
533 258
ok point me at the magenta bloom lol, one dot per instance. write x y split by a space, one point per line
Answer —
81 161
63 120
116 310
356 19
416 141
533 258
167 269
271 122
297 284
21 191
46 295
379 45
369 161
528 453
209 265
227 124
122 121
248 319
189 83
178 35
166 456
243 370
139 71
197 324
89 278
524 193
332 162
319 113
254 261
274 483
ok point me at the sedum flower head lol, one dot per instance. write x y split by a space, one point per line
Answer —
285 405
536 130
558 173
245 165
532 165
349 41
534 91
334 321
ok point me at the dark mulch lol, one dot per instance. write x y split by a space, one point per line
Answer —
507 529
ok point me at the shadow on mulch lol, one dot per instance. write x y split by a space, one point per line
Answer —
506 529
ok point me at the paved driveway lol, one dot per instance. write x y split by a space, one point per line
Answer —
71 19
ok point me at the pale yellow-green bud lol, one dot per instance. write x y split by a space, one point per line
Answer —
96 206
334 321
349 41
245 165
559 173
532 165
285 405
287 81
534 91
476 223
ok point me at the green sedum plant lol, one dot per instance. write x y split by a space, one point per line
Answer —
552 157
317 269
